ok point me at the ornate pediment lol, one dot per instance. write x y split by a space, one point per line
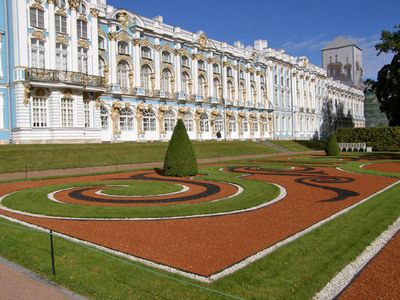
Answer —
38 35
203 41
123 36
61 39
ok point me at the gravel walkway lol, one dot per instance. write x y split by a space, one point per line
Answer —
17 283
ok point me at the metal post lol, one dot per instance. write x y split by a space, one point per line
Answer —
52 253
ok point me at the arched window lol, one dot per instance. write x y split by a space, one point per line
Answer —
126 119
216 69
185 82
104 118
219 123
244 125
262 79
101 43
169 121
229 72
201 86
253 94
204 125
185 61
230 90
242 93
216 86
146 52
255 126
102 65
149 120
241 75
201 65
166 57
122 76
263 94
252 76
232 124
123 48
37 54
82 9
145 77
166 81
188 121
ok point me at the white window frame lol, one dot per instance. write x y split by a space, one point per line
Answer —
166 57
86 108
82 29
37 18
149 121
67 112
204 124
123 48
122 76
145 52
145 74
188 121
61 57
61 24
104 118
83 60
126 119
39 112
169 121
38 54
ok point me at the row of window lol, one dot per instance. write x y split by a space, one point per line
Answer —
37 20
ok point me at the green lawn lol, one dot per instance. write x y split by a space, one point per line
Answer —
296 271
35 200
301 145
14 158
141 188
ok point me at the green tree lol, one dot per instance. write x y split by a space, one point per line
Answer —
180 159
332 147
387 86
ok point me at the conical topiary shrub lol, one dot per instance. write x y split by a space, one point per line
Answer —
180 159
332 147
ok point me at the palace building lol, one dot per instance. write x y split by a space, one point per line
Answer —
83 71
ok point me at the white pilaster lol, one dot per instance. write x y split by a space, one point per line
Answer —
94 42
52 36
74 40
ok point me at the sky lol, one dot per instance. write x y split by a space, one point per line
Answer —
301 28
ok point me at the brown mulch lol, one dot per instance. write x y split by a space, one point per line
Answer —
380 279
208 245
392 167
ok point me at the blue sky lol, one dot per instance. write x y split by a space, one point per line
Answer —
298 27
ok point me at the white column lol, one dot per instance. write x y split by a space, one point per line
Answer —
178 74
258 87
236 84
248 87
137 64
210 75
113 58
52 36
20 32
95 42
74 40
270 86
224 79
195 76
157 67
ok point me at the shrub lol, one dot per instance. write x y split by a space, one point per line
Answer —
332 147
379 138
180 159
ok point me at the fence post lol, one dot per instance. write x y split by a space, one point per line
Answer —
52 253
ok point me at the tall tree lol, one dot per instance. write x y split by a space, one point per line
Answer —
387 86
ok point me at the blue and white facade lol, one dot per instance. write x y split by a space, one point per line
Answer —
82 71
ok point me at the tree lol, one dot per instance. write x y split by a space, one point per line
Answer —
387 86
332 147
180 159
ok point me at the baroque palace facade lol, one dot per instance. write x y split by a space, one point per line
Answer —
82 71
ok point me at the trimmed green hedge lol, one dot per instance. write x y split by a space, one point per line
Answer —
379 138
180 159
332 147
